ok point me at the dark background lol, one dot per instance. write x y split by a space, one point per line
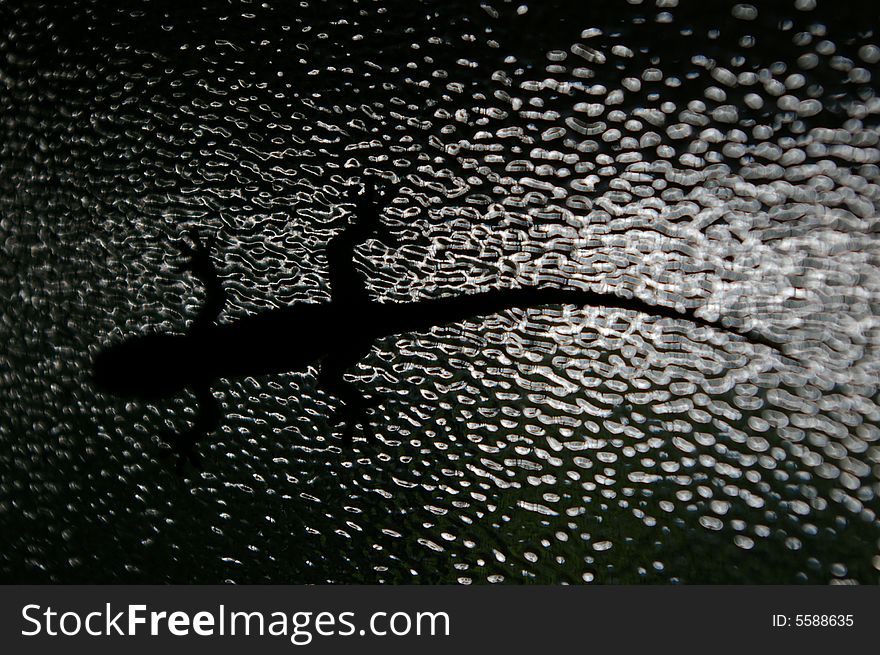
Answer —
561 445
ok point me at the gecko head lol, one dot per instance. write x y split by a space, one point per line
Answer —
148 366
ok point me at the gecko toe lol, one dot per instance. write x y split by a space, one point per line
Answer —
183 448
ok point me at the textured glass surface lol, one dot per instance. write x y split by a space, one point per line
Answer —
714 156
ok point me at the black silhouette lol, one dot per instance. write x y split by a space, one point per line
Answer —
334 335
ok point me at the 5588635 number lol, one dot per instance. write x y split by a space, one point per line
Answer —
823 620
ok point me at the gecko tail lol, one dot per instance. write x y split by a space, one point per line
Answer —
422 315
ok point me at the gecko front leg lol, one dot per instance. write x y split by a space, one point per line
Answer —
198 261
184 444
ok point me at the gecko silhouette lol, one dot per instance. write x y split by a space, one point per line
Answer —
333 335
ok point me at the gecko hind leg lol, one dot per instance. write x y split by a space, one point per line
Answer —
355 405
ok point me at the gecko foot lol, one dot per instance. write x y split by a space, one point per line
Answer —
183 446
196 257
352 420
